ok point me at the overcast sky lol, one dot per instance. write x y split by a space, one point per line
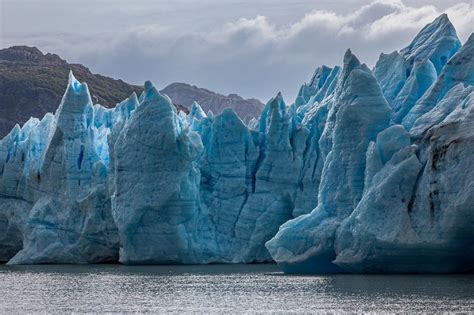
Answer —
252 47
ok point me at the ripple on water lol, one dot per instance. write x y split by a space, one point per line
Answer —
223 288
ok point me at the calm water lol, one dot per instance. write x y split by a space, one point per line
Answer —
222 288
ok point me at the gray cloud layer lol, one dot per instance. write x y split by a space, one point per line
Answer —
254 48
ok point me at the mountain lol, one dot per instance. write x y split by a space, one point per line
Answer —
32 84
185 94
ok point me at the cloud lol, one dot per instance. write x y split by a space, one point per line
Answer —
251 56
463 16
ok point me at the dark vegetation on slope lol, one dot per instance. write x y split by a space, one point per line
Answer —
32 84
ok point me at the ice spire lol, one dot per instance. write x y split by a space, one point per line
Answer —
437 41
459 69
306 244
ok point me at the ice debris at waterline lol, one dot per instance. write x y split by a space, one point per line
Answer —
367 171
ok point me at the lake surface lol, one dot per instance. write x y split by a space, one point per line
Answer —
223 289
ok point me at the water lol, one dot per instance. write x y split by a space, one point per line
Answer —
223 289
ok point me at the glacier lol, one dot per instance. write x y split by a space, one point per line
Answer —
368 170
411 208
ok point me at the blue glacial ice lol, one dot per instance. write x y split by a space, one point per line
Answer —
359 112
415 211
63 177
367 171
406 75
153 147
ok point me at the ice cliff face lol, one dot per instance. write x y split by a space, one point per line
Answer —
412 208
59 171
364 172
406 75
358 113
156 185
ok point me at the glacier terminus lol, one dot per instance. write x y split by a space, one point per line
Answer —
367 171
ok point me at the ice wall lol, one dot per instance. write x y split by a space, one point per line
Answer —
414 206
364 172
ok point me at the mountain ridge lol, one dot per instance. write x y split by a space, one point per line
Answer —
32 84
209 100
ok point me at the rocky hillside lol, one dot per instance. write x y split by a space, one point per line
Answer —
33 83
186 94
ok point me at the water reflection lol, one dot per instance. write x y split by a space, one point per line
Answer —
223 288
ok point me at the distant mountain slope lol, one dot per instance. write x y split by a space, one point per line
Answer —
33 83
186 94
